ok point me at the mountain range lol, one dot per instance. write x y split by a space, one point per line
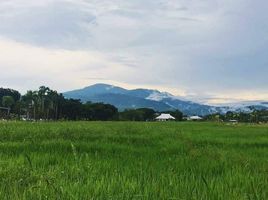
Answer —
159 101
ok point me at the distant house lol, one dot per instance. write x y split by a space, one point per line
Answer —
194 118
234 121
165 117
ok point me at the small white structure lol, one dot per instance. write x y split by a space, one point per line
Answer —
233 121
195 118
165 117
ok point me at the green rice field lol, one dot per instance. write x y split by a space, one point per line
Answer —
128 160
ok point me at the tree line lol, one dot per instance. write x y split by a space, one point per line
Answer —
48 104
256 116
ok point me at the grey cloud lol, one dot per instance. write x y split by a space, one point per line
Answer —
59 24
204 46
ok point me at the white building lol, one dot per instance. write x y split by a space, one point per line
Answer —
195 118
165 117
234 121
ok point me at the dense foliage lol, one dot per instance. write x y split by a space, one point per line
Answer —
47 104
249 117
142 114
9 92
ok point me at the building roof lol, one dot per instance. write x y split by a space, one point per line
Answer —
195 118
233 120
165 116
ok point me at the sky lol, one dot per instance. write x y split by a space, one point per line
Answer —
211 51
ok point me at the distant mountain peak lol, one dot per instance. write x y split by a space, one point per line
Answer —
159 96
159 101
137 98
102 86
95 89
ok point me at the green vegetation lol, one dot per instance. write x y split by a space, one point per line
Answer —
128 160
49 105
256 116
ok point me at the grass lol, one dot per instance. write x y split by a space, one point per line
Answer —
125 160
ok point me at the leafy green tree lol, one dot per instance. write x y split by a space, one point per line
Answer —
71 109
31 100
131 115
8 101
19 107
42 93
99 111
147 114
141 114
53 102
229 116
216 117
9 92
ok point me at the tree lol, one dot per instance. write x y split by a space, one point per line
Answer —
131 115
102 112
9 92
42 93
141 114
229 116
71 109
19 107
148 114
54 99
45 103
8 101
30 99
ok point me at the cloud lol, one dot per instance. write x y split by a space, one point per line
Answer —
207 48
47 23
26 67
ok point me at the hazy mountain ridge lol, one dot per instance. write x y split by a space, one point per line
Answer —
160 101
244 106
